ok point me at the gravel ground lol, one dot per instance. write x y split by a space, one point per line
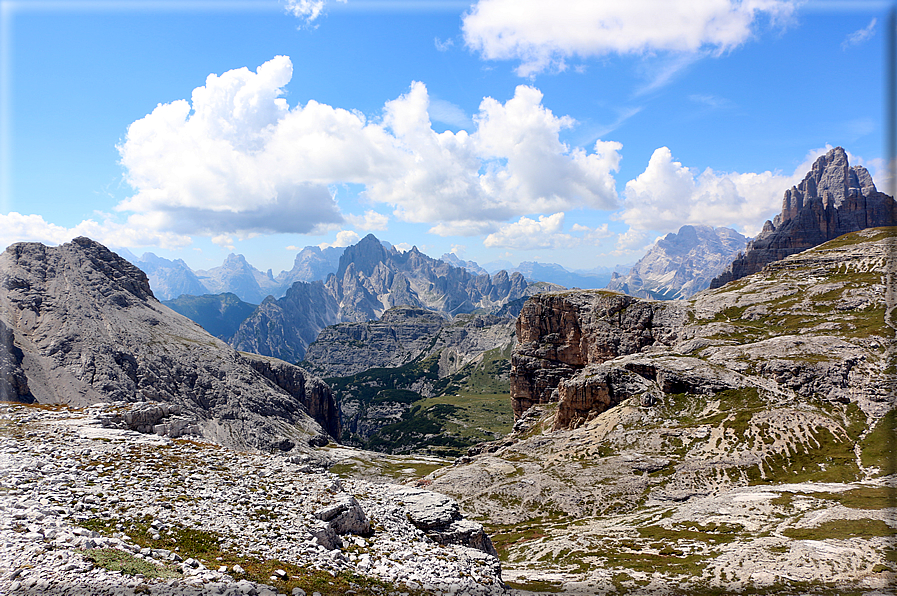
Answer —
194 518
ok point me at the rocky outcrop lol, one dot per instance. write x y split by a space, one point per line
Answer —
86 328
834 198
590 351
399 336
312 392
681 264
439 517
559 334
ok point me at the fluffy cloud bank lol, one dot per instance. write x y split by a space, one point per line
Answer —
668 195
236 159
543 34
15 227
546 232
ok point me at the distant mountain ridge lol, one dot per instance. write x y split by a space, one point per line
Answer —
680 264
371 279
172 278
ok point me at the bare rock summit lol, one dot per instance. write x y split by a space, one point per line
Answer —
80 325
834 198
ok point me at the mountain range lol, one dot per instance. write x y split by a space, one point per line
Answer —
369 280
680 264
170 279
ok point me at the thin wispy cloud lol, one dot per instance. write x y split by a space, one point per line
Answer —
859 36
710 101
443 45
624 114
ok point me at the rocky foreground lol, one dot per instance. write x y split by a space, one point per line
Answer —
90 509
738 442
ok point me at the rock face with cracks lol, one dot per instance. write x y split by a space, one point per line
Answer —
834 198
80 325
737 441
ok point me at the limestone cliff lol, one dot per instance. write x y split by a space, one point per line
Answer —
834 198
80 325
564 337
741 440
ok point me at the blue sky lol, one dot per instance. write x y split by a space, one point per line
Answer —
497 129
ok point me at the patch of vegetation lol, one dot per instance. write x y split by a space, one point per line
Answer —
469 407
398 469
506 536
205 547
705 535
536 586
878 447
824 458
118 560
869 498
854 238
842 529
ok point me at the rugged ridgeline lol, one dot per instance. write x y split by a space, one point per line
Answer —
172 279
168 279
418 380
739 440
681 264
833 199
80 325
311 264
370 280
238 277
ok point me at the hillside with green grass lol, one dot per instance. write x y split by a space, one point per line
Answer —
411 409
747 447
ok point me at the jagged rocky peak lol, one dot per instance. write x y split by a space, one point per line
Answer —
832 179
834 198
80 325
364 256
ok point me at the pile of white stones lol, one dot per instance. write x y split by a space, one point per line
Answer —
61 470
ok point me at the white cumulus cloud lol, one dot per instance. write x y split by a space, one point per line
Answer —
16 227
542 35
668 195
237 160
546 232
343 238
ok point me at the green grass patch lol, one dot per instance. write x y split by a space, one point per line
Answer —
824 458
869 498
705 534
118 560
842 529
536 586
877 448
